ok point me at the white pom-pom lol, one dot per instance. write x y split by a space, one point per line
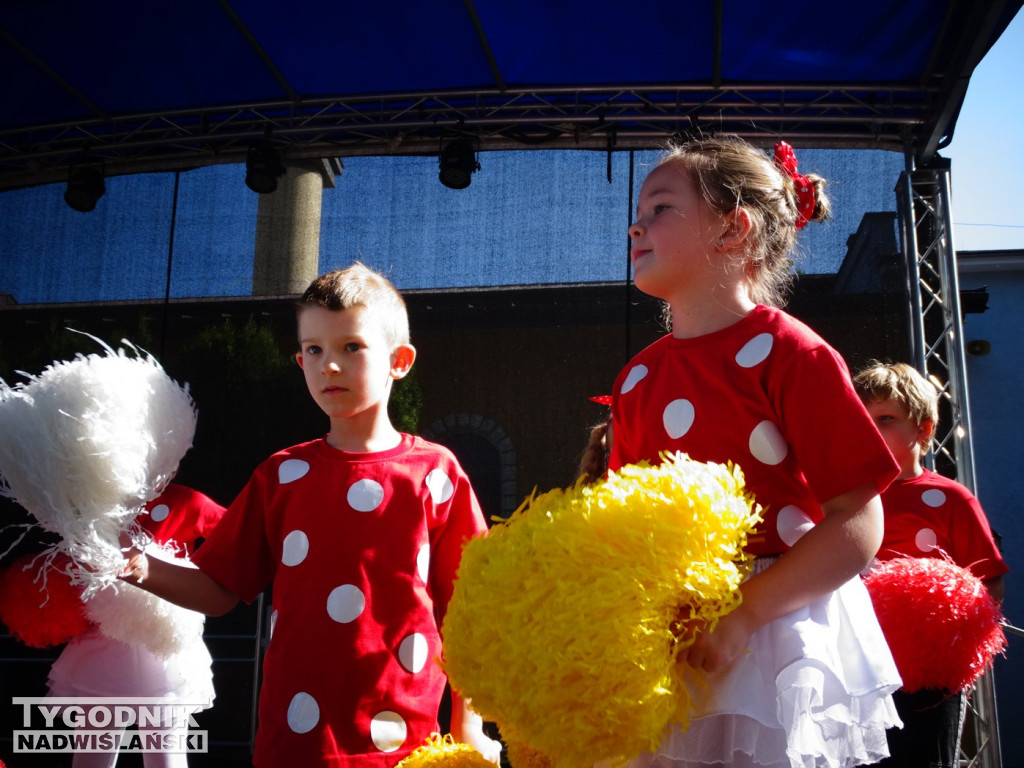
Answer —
86 443
139 618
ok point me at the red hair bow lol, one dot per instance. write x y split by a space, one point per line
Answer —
785 160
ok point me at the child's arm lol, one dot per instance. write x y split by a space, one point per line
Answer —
188 587
825 558
995 588
467 727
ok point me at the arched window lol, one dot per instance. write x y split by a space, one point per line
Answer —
486 453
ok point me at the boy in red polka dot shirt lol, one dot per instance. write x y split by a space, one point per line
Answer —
360 532
926 515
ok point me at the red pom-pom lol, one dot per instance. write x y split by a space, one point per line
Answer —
942 625
41 616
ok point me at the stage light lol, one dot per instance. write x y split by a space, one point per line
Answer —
263 167
457 163
85 188
978 347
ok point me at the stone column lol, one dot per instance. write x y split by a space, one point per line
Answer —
287 253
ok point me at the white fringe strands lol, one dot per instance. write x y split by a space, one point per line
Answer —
86 443
562 627
136 617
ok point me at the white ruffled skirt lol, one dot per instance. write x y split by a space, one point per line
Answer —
94 665
814 691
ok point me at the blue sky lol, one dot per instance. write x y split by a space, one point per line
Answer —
987 154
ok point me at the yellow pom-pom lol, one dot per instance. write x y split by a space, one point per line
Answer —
443 752
560 628
525 756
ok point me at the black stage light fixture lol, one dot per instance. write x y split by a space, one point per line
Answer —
457 163
263 167
85 188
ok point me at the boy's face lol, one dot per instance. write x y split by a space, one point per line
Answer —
901 433
347 363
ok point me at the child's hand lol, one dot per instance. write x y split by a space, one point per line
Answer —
467 727
715 650
686 625
136 567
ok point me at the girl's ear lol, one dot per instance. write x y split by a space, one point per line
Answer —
298 359
402 358
737 229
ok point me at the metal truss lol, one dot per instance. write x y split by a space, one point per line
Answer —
937 347
936 319
878 116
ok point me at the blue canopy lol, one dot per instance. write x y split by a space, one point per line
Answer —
146 86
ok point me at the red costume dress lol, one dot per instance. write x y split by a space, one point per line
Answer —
768 394
933 516
180 516
362 550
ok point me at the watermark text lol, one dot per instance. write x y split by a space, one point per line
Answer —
100 724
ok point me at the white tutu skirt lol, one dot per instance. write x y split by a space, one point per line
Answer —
814 691
94 665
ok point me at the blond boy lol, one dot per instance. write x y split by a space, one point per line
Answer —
926 515
360 532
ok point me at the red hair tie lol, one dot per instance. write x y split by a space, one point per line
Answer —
785 160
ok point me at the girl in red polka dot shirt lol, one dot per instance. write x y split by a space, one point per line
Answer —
799 674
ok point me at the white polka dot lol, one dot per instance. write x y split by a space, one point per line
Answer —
423 563
345 603
926 540
303 713
767 444
755 351
792 523
933 497
295 548
159 513
632 378
273 623
441 488
413 652
365 495
677 418
291 470
387 729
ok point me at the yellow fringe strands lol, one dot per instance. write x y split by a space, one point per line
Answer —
443 752
525 756
560 628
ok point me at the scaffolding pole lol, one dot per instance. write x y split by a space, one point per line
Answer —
937 348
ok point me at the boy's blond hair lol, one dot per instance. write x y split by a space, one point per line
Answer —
360 286
902 383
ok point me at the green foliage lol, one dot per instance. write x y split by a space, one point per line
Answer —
250 397
244 353
406 403
39 345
